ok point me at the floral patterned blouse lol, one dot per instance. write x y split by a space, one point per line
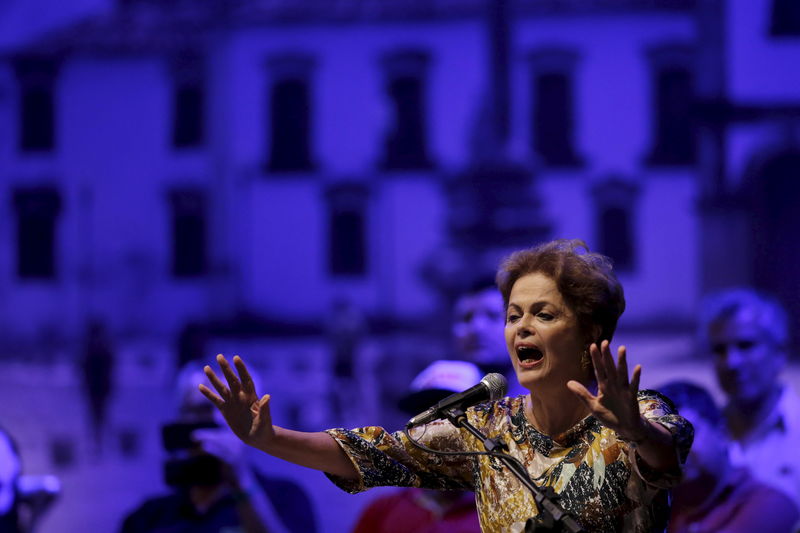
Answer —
600 479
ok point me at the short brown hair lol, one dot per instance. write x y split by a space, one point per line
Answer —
585 280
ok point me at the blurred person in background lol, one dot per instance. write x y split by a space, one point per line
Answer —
747 334
478 323
23 499
97 371
584 430
478 320
714 495
213 485
416 510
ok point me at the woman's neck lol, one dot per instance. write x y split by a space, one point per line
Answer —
554 413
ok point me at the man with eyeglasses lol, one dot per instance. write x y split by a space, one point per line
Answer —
747 335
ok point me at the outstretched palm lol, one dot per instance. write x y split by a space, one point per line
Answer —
247 415
615 404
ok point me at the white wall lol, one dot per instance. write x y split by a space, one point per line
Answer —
761 68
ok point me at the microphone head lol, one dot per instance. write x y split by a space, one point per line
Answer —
496 384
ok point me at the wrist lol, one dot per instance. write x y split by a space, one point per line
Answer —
271 443
638 434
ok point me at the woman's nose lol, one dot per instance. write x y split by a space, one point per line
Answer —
524 327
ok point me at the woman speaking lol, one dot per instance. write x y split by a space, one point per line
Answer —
610 451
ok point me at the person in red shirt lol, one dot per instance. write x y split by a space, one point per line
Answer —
416 510
715 496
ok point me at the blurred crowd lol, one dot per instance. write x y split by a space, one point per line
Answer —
742 473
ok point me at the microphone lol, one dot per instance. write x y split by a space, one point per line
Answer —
491 387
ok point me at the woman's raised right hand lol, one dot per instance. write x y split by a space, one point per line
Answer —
247 415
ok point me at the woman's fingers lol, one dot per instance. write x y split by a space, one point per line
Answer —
609 366
637 374
604 367
261 412
622 366
597 362
581 392
217 383
247 380
230 375
216 400
607 371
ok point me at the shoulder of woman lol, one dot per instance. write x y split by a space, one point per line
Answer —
650 399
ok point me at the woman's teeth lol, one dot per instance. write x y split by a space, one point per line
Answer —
529 353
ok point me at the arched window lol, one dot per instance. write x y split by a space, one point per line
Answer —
188 101
289 126
37 112
616 236
189 250
347 252
37 211
290 114
673 126
615 201
552 107
785 19
407 137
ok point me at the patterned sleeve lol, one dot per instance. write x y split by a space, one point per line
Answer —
389 459
657 408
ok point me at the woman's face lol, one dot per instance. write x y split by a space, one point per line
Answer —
542 335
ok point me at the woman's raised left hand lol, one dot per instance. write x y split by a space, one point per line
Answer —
615 404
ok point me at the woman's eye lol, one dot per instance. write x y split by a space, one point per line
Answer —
512 318
545 316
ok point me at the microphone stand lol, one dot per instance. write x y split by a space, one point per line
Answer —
552 517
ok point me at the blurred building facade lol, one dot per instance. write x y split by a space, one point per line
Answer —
251 163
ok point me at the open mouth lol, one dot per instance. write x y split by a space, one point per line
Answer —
529 354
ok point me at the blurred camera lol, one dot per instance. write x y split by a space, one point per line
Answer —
189 465
38 489
35 495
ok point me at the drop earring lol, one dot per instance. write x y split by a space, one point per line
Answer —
586 361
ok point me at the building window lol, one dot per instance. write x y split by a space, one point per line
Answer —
290 114
553 119
553 107
615 236
36 79
289 137
347 255
673 127
187 129
188 100
785 19
37 210
189 251
406 139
